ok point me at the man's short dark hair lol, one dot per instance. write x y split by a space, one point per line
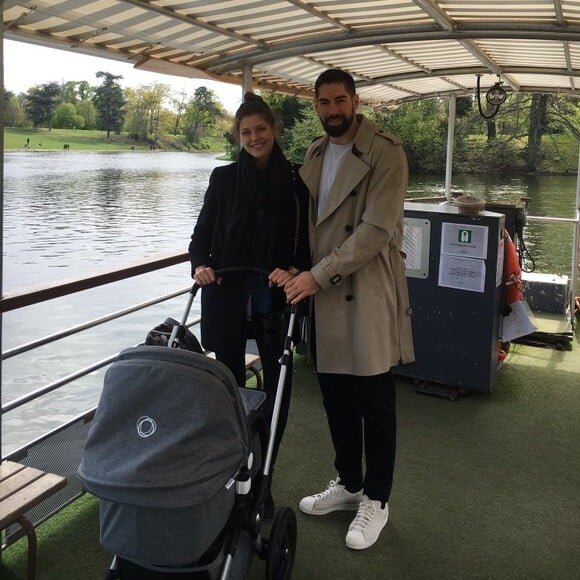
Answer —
334 75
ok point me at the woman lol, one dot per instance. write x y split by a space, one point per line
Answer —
254 215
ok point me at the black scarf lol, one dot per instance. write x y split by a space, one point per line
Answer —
259 202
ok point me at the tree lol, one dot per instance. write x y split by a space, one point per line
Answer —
69 92
301 134
8 95
87 111
109 101
287 110
179 103
201 113
422 126
76 91
463 106
538 122
14 115
144 114
135 114
41 102
85 91
153 97
66 117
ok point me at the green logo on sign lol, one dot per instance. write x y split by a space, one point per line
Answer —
464 237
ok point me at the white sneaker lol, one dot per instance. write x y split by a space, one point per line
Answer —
366 527
335 497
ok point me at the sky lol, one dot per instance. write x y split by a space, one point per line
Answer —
26 65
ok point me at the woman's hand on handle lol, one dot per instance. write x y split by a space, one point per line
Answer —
205 275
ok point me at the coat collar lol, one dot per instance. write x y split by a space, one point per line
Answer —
351 172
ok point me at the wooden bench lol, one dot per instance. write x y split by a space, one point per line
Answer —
21 489
252 362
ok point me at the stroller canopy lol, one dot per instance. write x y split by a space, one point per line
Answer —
170 430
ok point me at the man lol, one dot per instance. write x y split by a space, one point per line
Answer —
357 178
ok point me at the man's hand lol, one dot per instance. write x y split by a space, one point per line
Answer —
301 287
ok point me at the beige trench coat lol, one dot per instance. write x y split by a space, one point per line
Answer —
362 312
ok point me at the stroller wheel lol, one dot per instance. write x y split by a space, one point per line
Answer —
281 545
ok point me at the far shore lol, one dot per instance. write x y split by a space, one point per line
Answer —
34 140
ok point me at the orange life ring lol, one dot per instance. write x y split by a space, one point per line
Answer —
501 352
512 272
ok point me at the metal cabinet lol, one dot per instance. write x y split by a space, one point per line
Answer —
454 274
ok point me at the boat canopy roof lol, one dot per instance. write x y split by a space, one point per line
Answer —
397 50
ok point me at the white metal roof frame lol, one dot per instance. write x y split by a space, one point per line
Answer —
397 50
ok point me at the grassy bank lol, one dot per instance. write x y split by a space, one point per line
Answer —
560 152
56 139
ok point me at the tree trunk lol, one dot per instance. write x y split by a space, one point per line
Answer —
491 130
490 123
536 130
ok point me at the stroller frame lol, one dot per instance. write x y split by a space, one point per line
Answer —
243 530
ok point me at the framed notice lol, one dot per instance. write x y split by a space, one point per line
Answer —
467 240
416 244
462 273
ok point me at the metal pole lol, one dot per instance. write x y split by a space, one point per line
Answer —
246 79
1 197
285 361
450 146
575 248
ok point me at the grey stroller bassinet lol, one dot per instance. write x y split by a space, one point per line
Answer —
178 456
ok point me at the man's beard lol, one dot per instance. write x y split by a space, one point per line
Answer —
337 130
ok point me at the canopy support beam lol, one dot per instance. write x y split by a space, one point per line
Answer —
450 146
247 80
1 204
575 248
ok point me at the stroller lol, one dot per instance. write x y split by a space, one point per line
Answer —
179 457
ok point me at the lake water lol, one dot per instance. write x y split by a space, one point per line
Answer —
77 213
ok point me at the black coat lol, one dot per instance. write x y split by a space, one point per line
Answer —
223 306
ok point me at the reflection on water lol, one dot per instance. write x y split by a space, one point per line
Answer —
83 211
72 214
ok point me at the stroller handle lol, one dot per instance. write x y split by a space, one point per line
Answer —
220 272
232 270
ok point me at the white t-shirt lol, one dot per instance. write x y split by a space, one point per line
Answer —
333 158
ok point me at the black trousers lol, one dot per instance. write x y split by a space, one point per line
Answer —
362 416
269 331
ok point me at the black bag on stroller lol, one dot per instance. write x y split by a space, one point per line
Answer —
161 335
179 457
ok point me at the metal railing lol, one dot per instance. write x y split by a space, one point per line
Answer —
574 269
60 449
37 295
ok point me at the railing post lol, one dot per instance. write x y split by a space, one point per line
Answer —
575 247
1 198
450 146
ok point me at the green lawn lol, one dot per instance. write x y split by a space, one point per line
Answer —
16 139
81 140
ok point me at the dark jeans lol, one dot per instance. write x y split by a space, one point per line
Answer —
269 332
361 413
